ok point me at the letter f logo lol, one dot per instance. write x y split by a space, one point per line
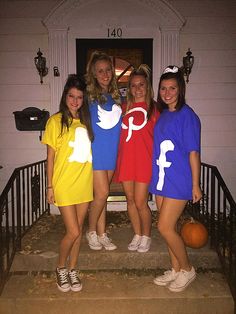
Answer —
165 146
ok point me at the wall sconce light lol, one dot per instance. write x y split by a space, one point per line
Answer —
40 63
188 62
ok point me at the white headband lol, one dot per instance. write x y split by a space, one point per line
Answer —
170 70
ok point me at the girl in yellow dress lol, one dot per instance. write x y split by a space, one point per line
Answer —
68 137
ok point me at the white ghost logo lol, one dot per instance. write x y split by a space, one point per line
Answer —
108 119
82 146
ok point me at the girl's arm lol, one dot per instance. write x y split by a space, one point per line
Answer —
195 165
50 166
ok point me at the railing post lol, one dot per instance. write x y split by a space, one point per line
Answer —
212 197
15 211
1 252
18 212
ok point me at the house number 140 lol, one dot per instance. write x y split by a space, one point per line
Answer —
114 32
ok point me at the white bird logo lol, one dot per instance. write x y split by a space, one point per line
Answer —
108 119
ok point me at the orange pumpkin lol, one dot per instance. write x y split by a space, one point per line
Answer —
194 234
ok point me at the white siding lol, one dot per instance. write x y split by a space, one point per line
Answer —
210 32
21 35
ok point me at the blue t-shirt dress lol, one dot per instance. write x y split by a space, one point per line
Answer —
106 124
176 134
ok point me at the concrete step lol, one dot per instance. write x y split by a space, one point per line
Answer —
117 281
40 250
113 292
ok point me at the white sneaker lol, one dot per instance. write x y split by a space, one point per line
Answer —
144 245
163 280
134 244
106 242
75 283
93 242
183 279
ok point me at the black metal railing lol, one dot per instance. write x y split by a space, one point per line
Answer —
22 202
217 210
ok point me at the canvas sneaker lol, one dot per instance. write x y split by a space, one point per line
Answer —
63 282
183 279
134 244
93 242
106 242
163 280
144 245
75 283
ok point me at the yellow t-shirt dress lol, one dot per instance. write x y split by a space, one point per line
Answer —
72 175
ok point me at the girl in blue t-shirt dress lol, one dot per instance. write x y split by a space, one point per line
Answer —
175 172
105 110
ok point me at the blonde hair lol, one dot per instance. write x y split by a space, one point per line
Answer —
94 90
144 71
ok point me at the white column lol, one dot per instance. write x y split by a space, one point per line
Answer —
58 57
169 48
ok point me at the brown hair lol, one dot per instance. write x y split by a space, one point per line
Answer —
172 72
74 81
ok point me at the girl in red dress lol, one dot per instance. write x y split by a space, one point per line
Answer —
134 164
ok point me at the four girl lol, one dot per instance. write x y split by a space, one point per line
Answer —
171 166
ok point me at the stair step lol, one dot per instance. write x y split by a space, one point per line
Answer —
114 292
42 253
40 249
117 281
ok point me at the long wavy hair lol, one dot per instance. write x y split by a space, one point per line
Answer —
75 81
172 72
144 71
94 90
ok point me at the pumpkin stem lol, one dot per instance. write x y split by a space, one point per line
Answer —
192 220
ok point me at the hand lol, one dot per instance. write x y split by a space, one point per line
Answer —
50 196
196 193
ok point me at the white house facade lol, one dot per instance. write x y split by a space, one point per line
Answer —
207 27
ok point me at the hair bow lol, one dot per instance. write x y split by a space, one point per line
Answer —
171 69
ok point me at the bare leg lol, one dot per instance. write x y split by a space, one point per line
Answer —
141 201
174 261
101 184
101 224
81 211
170 211
73 232
131 206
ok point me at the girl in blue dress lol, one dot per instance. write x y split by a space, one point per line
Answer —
175 172
105 110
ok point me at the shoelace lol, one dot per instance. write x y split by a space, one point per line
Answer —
73 277
134 241
143 242
106 240
62 276
94 237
